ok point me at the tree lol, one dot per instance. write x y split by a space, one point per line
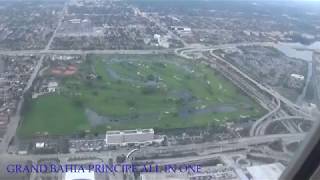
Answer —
131 103
151 77
77 102
148 90
95 93
110 161
120 159
99 77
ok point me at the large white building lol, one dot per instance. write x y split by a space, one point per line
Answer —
86 175
142 136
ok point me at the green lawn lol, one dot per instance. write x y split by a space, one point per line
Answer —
138 91
55 115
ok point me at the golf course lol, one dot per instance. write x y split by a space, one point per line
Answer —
118 92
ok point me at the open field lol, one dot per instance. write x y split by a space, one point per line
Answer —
140 91
54 114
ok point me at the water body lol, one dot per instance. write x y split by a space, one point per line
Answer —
95 119
313 46
187 111
289 50
303 52
298 50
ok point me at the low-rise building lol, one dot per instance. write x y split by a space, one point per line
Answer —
181 29
52 86
86 175
143 136
296 81
40 145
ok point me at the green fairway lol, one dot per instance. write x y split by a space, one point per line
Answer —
54 115
138 91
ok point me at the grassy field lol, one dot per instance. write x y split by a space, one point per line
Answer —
55 115
141 91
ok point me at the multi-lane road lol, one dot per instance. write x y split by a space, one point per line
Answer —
202 149
83 52
276 103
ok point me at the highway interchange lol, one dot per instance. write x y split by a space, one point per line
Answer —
279 108
268 98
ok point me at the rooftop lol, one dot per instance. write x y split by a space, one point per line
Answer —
85 175
268 171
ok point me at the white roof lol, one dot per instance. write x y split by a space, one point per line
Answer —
52 84
83 175
161 176
298 76
40 145
266 172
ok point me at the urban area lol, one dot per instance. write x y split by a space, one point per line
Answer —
230 86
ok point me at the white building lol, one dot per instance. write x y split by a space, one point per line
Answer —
85 175
162 40
143 136
296 81
157 37
75 21
267 171
52 86
40 145
181 29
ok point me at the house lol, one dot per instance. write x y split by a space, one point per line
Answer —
52 87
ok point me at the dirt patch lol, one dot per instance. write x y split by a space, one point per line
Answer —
64 71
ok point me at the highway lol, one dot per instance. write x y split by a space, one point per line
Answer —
279 108
259 86
262 129
60 19
180 51
203 149
245 82
316 77
84 52
268 98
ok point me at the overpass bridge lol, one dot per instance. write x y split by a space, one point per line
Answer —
277 105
